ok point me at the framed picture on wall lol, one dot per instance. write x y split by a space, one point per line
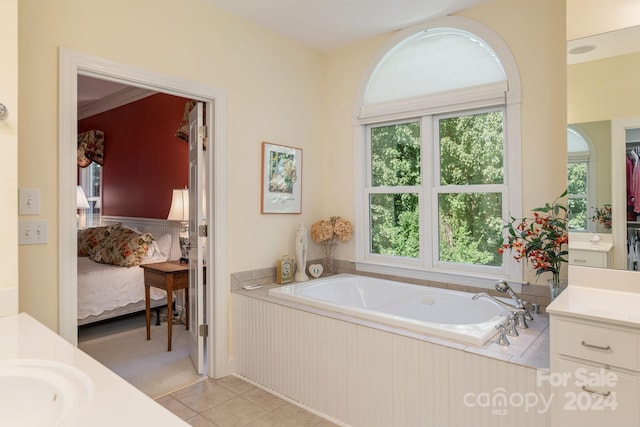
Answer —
281 179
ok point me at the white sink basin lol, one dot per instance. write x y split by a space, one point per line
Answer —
35 392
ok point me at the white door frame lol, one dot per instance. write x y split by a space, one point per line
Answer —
73 63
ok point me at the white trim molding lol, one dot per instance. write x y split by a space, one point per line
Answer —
74 63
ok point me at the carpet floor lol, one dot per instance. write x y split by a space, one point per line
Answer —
147 365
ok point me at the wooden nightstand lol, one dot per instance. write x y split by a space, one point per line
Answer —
169 276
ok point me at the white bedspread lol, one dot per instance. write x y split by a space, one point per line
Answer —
104 287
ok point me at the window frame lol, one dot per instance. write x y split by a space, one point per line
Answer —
89 218
491 96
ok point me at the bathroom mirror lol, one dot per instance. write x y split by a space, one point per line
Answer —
603 103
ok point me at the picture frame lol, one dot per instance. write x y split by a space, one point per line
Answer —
281 179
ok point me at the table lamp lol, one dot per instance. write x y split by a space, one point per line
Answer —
180 212
81 201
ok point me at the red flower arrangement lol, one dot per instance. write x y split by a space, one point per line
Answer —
603 216
540 240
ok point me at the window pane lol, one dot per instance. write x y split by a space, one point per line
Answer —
577 213
577 178
471 149
395 228
470 227
434 61
395 155
577 191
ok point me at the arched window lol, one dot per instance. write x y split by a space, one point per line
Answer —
580 191
437 121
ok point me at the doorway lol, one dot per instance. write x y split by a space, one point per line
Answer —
74 63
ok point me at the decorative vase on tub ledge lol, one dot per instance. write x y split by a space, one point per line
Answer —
556 286
328 234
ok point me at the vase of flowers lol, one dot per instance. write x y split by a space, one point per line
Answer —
603 216
542 241
328 234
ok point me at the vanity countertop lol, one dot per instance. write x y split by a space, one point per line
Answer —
614 306
115 402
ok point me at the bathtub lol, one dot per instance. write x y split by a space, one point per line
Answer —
439 312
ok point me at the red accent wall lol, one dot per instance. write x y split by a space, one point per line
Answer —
143 159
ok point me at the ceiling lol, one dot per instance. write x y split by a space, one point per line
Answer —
613 43
327 25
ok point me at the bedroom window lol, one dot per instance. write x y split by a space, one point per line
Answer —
91 182
435 122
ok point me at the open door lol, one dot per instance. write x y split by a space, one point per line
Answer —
197 235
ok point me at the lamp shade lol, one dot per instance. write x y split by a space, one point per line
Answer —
179 206
81 199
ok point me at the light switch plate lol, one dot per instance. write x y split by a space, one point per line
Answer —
28 201
32 232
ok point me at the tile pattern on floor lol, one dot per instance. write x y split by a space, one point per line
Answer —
232 402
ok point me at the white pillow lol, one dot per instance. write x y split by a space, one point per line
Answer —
164 245
158 250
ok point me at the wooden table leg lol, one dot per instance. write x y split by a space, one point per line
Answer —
147 297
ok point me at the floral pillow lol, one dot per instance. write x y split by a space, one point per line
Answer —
89 238
124 248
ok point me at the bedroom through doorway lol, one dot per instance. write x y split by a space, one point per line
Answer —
132 154
73 64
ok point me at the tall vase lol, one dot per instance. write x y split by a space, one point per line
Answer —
556 285
327 261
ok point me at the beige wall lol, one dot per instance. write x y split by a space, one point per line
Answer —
277 91
604 90
9 157
272 87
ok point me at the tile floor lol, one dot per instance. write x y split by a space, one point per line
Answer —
232 402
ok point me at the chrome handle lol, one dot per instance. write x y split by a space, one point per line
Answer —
3 111
579 260
599 347
588 390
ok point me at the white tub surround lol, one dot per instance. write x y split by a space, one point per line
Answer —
441 312
358 372
595 346
113 401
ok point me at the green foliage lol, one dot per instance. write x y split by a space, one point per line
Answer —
470 224
471 149
395 155
577 188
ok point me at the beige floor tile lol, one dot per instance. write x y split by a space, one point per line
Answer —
236 412
200 421
297 415
235 384
203 395
325 423
270 420
264 399
177 407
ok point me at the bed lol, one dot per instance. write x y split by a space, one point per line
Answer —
108 289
